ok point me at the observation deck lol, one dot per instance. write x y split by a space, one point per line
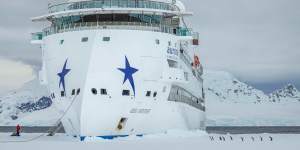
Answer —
147 15
57 10
184 32
148 4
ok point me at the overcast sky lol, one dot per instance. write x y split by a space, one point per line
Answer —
256 40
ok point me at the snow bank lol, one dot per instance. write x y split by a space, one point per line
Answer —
156 142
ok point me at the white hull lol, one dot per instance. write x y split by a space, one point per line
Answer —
148 118
95 64
122 67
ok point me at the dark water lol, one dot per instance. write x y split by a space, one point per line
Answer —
211 129
254 130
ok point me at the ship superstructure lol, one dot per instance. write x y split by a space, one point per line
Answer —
127 66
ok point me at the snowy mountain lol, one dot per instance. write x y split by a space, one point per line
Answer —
289 92
22 102
224 87
229 102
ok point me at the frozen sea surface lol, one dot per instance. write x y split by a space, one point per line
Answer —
172 140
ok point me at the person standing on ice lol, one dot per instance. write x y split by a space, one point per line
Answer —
18 129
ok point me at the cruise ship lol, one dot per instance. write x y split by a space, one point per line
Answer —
122 67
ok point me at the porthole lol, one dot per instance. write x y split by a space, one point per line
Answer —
94 91
78 91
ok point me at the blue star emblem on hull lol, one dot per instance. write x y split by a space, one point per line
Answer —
62 75
128 72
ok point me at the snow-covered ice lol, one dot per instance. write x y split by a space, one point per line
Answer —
174 140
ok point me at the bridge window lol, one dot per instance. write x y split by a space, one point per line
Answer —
131 4
111 3
102 18
103 92
114 3
107 3
84 39
126 93
62 93
137 18
106 39
123 3
148 94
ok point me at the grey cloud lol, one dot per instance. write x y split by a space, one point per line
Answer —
257 40
16 29
249 38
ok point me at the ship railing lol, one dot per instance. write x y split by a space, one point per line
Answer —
148 4
115 25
